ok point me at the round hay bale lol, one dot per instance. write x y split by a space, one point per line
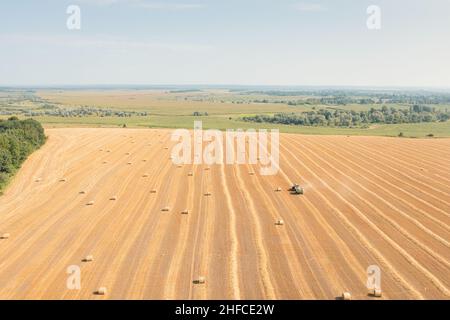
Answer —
346 296
185 211
145 175
129 163
90 203
279 222
82 192
251 173
5 236
63 179
200 280
88 258
101 291
38 180
190 174
153 191
278 189
208 194
165 209
113 198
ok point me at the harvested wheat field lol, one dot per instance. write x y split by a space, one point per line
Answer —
139 227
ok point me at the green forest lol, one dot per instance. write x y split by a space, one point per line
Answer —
18 139
350 118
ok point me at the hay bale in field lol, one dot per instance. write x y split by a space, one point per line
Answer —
108 151
346 296
129 163
5 236
278 189
101 291
82 192
63 179
127 153
375 293
113 198
165 209
190 174
145 175
186 211
38 180
88 258
166 148
90 203
251 173
200 280
279 222
153 191
208 194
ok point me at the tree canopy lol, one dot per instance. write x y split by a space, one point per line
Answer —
18 139
348 118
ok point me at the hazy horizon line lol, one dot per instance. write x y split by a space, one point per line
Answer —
221 86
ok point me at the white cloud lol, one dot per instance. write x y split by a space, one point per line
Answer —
101 2
146 4
309 7
169 6
103 42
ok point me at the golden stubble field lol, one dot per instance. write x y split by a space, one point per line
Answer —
368 200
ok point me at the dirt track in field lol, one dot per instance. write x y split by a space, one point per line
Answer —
382 201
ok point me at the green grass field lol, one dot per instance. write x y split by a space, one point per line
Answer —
223 123
225 110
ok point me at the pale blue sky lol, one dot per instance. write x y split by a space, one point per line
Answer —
260 42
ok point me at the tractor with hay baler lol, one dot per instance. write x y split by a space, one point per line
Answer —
296 189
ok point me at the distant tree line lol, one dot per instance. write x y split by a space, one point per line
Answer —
84 111
345 97
18 139
350 118
199 114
